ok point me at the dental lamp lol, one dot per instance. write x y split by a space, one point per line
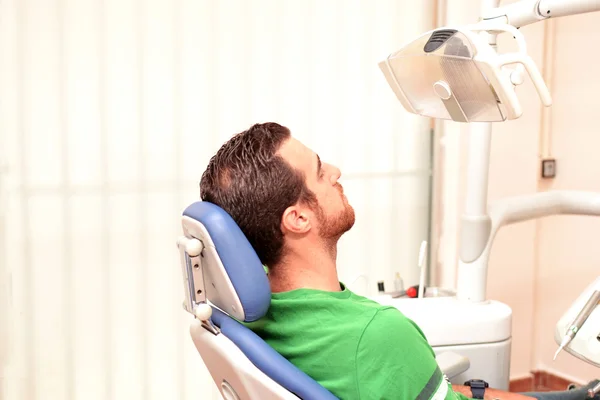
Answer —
455 73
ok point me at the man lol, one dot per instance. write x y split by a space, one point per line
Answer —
291 207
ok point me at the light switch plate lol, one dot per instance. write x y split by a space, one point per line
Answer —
548 168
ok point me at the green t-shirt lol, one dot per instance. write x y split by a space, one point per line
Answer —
353 346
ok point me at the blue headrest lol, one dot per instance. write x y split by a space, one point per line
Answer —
238 258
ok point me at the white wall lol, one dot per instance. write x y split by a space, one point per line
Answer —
540 267
569 255
110 112
537 267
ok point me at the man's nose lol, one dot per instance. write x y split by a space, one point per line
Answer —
335 174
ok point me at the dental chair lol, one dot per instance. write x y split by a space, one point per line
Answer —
225 282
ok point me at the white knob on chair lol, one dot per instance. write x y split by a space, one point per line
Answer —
194 247
203 312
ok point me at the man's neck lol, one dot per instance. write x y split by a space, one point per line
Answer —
312 269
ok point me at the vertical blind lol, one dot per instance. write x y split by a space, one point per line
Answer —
110 111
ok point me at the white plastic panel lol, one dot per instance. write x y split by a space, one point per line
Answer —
485 322
221 355
488 361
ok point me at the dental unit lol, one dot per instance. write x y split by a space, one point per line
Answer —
451 73
455 73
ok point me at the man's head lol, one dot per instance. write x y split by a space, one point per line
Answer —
277 190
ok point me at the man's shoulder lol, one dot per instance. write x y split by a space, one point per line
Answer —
388 319
377 318
389 327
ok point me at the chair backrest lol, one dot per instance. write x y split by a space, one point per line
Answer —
221 268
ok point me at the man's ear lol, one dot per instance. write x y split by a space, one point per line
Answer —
295 220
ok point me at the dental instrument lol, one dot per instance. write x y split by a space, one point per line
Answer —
422 267
454 73
579 320
398 282
577 329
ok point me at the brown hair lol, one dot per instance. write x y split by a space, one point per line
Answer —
254 185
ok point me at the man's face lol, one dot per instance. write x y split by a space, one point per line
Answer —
334 215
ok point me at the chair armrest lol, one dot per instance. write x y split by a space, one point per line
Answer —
452 364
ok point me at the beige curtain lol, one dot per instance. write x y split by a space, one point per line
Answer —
110 110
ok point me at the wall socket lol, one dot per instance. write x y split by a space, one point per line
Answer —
548 168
